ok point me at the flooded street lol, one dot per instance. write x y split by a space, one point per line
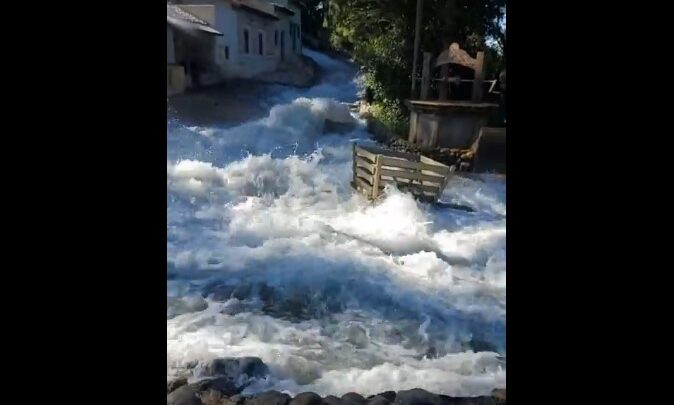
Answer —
271 253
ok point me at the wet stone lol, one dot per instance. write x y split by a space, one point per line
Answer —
241 292
499 395
252 367
222 385
353 398
220 292
390 395
212 397
175 384
235 400
185 395
269 398
378 400
479 345
307 398
332 400
417 396
446 400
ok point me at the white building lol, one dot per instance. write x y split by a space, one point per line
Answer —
240 38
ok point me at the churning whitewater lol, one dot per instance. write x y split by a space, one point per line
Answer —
271 254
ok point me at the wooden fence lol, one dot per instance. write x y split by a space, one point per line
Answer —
374 167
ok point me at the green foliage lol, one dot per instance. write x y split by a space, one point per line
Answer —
391 114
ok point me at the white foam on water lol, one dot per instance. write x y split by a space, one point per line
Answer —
272 254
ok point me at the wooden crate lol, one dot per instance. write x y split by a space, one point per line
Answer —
375 167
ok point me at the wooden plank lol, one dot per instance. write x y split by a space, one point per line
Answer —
364 174
404 174
363 184
376 178
364 164
360 151
408 185
426 161
466 105
438 168
493 131
426 76
447 174
479 77
388 152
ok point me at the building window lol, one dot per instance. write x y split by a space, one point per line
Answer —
260 43
275 37
227 52
246 41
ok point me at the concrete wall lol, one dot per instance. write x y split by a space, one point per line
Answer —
252 63
297 19
283 25
176 81
219 14
170 46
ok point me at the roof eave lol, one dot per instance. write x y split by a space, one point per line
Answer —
175 22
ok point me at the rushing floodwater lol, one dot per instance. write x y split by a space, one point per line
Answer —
271 254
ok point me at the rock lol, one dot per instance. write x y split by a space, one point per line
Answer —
221 384
269 398
184 305
236 400
447 400
221 292
417 396
332 400
185 395
252 367
378 400
499 395
479 345
242 291
390 395
175 384
266 293
307 398
212 397
333 127
431 353
352 398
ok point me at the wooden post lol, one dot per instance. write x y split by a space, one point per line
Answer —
376 177
412 135
435 128
426 76
417 42
354 157
478 78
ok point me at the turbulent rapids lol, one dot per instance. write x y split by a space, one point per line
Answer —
271 254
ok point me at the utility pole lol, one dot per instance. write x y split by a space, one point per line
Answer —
417 42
